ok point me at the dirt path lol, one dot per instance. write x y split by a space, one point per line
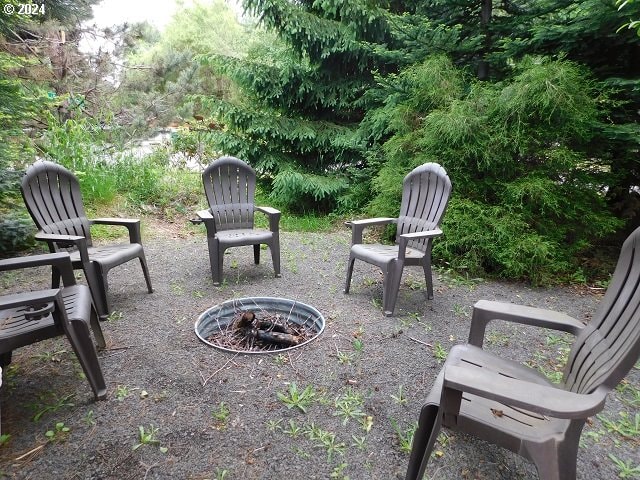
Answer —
216 415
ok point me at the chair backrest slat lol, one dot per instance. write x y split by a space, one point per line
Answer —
229 186
52 196
609 346
425 194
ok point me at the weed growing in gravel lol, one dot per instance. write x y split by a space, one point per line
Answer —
274 425
338 472
439 352
349 405
629 393
400 398
405 437
358 345
301 453
359 442
344 358
148 437
122 392
58 433
56 405
281 359
498 339
625 469
293 430
221 414
221 474
51 356
297 398
366 423
626 427
88 418
4 439
459 310
114 316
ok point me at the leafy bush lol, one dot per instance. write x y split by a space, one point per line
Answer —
527 199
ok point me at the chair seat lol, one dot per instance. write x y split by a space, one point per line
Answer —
378 254
109 256
244 236
516 424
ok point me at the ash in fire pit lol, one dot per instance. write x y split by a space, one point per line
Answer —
259 325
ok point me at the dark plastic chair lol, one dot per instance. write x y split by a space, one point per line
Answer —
513 406
425 194
30 317
229 185
52 196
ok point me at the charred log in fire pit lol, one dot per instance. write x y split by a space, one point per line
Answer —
259 325
248 331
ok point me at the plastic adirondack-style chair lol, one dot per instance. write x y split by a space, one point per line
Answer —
515 407
229 185
425 194
30 317
52 196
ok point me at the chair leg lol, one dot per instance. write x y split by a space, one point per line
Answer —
97 290
424 439
428 277
215 260
145 271
274 247
5 359
97 330
558 461
391 286
347 283
85 350
256 254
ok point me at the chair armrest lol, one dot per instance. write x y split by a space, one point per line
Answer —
60 261
132 225
403 239
16 300
66 240
207 218
274 217
358 226
543 399
485 311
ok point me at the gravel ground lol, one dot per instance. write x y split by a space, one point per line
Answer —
218 415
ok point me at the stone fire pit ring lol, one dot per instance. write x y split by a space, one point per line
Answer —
220 316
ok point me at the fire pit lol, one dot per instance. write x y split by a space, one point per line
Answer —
259 325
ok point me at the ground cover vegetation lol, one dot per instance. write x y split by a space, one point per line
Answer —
530 106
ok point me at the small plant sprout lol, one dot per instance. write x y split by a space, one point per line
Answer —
367 423
114 316
405 437
53 407
349 405
221 414
439 352
625 469
58 433
89 418
301 453
293 430
338 472
400 398
274 425
221 473
358 345
359 442
281 359
148 437
4 439
122 392
296 398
